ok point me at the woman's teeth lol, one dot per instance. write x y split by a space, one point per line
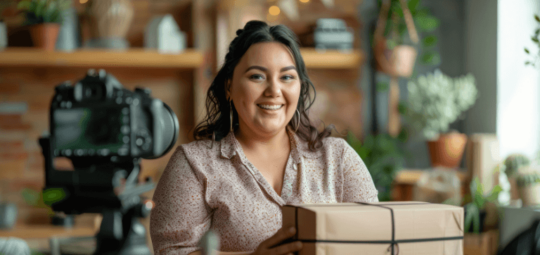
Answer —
270 107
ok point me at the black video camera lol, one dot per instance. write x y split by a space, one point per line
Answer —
105 130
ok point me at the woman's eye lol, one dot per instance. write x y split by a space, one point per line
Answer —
256 77
288 77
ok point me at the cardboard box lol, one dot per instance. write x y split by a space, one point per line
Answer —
361 228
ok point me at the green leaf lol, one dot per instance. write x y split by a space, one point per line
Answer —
402 108
494 195
527 51
534 39
527 63
429 41
427 23
23 5
537 18
412 5
382 86
31 197
431 58
53 195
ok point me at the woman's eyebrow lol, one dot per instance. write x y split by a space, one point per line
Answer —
264 69
256 67
288 68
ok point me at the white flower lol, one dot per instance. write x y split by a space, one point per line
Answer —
436 100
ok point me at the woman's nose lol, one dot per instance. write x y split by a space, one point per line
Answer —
273 88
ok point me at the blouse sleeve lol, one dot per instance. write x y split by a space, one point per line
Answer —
181 216
358 185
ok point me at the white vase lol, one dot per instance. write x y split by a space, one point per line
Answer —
68 38
3 35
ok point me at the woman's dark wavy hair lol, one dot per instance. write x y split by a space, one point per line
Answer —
216 125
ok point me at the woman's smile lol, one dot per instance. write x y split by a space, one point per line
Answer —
271 107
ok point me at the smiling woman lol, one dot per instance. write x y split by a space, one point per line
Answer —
255 152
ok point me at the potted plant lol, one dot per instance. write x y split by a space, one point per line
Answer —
528 184
512 165
45 199
435 101
475 207
383 156
44 18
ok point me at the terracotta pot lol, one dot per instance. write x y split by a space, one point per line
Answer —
398 62
447 151
44 35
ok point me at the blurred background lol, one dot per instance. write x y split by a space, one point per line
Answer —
440 98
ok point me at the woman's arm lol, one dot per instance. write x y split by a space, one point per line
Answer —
181 215
358 185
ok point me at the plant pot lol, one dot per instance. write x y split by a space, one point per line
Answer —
530 196
44 35
483 214
528 186
447 151
398 62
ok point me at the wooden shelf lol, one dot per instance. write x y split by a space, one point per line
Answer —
46 231
137 57
332 59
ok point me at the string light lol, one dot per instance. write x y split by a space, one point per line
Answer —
83 1
304 1
274 10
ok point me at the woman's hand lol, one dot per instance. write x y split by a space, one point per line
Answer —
269 247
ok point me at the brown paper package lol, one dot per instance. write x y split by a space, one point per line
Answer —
352 228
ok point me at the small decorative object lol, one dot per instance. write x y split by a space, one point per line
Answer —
14 245
435 101
68 37
333 34
3 35
475 209
44 18
438 186
109 23
8 215
513 165
163 34
529 188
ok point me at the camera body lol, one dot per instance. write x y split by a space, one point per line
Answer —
97 117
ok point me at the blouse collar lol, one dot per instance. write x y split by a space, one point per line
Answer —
299 148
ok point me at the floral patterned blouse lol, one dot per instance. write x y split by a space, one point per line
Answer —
211 184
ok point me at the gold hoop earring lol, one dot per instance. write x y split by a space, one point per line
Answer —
298 121
231 116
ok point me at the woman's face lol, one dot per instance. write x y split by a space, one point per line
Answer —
265 88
